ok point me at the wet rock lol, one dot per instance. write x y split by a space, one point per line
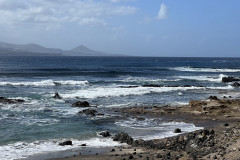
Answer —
89 112
151 85
100 114
105 134
10 101
226 124
83 145
128 86
140 118
81 104
65 143
177 130
229 79
214 98
130 157
123 137
57 96
236 84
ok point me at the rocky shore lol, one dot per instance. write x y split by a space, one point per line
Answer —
220 138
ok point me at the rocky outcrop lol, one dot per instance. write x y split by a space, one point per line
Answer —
177 130
196 143
229 79
57 96
81 104
214 98
88 112
105 134
10 101
65 143
236 84
123 138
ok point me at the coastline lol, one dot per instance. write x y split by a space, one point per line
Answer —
218 140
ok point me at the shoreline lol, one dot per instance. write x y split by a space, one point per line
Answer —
218 117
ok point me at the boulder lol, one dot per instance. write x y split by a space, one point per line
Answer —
236 84
230 79
65 143
105 134
57 96
81 104
123 137
177 130
151 85
89 112
10 101
213 98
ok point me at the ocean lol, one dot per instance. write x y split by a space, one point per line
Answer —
41 122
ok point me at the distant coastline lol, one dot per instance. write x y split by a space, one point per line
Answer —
7 49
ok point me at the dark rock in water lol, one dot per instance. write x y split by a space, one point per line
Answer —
113 150
65 143
105 134
229 79
10 101
139 118
100 114
128 86
81 104
57 96
89 112
123 137
236 84
83 145
213 98
151 85
226 124
177 130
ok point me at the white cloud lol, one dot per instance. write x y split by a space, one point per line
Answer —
162 14
56 12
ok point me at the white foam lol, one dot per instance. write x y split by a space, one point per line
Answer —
141 80
190 69
23 150
45 83
100 92
204 78
164 129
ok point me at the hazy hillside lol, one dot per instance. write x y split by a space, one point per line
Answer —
7 49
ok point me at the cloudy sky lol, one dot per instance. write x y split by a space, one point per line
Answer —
133 27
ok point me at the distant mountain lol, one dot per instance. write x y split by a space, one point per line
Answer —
7 49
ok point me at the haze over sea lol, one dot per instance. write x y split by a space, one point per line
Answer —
41 122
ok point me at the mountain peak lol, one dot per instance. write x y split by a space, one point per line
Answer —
81 48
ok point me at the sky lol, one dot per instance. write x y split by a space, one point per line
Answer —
181 28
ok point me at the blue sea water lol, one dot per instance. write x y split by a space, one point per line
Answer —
37 125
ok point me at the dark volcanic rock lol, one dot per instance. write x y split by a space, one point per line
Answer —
177 130
81 104
230 79
105 134
57 96
128 86
236 84
65 143
213 98
10 101
151 85
89 112
123 137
